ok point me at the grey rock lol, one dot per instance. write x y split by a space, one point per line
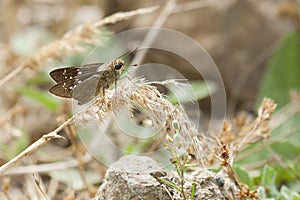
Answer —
138 178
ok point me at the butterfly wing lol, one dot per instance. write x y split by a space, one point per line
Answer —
61 74
63 89
81 82
87 90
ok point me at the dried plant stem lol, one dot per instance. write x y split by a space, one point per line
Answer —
40 186
34 146
5 186
52 188
151 35
298 13
7 195
124 16
285 113
193 5
274 140
11 113
241 80
76 148
11 74
41 168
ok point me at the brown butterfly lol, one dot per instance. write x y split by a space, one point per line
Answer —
83 83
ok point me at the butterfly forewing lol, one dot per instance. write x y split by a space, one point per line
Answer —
71 77
67 73
83 83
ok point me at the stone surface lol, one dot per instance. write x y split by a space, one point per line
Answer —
137 177
129 178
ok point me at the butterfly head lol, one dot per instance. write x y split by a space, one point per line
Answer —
118 64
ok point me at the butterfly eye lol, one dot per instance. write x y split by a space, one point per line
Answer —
118 66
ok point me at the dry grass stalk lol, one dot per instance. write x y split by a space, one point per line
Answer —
39 184
6 187
42 168
151 35
279 118
34 146
7 57
235 135
243 191
72 42
138 93
11 114
233 138
135 93
243 132
78 151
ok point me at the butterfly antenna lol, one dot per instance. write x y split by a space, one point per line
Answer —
128 52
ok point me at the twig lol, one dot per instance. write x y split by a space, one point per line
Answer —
298 13
259 147
38 183
168 192
34 146
52 188
31 192
193 5
243 77
151 35
5 187
284 114
11 74
41 168
125 15
78 154
11 113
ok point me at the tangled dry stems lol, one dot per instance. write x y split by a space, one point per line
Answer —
138 93
180 134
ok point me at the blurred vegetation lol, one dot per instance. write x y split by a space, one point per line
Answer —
272 167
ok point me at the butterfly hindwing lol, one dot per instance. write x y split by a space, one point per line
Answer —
86 90
63 89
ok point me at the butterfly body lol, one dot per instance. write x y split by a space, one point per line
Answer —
83 83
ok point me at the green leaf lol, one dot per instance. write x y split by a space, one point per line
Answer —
39 79
170 184
20 143
283 71
287 193
268 180
40 96
5 150
268 176
286 149
193 190
197 90
261 192
15 147
244 176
